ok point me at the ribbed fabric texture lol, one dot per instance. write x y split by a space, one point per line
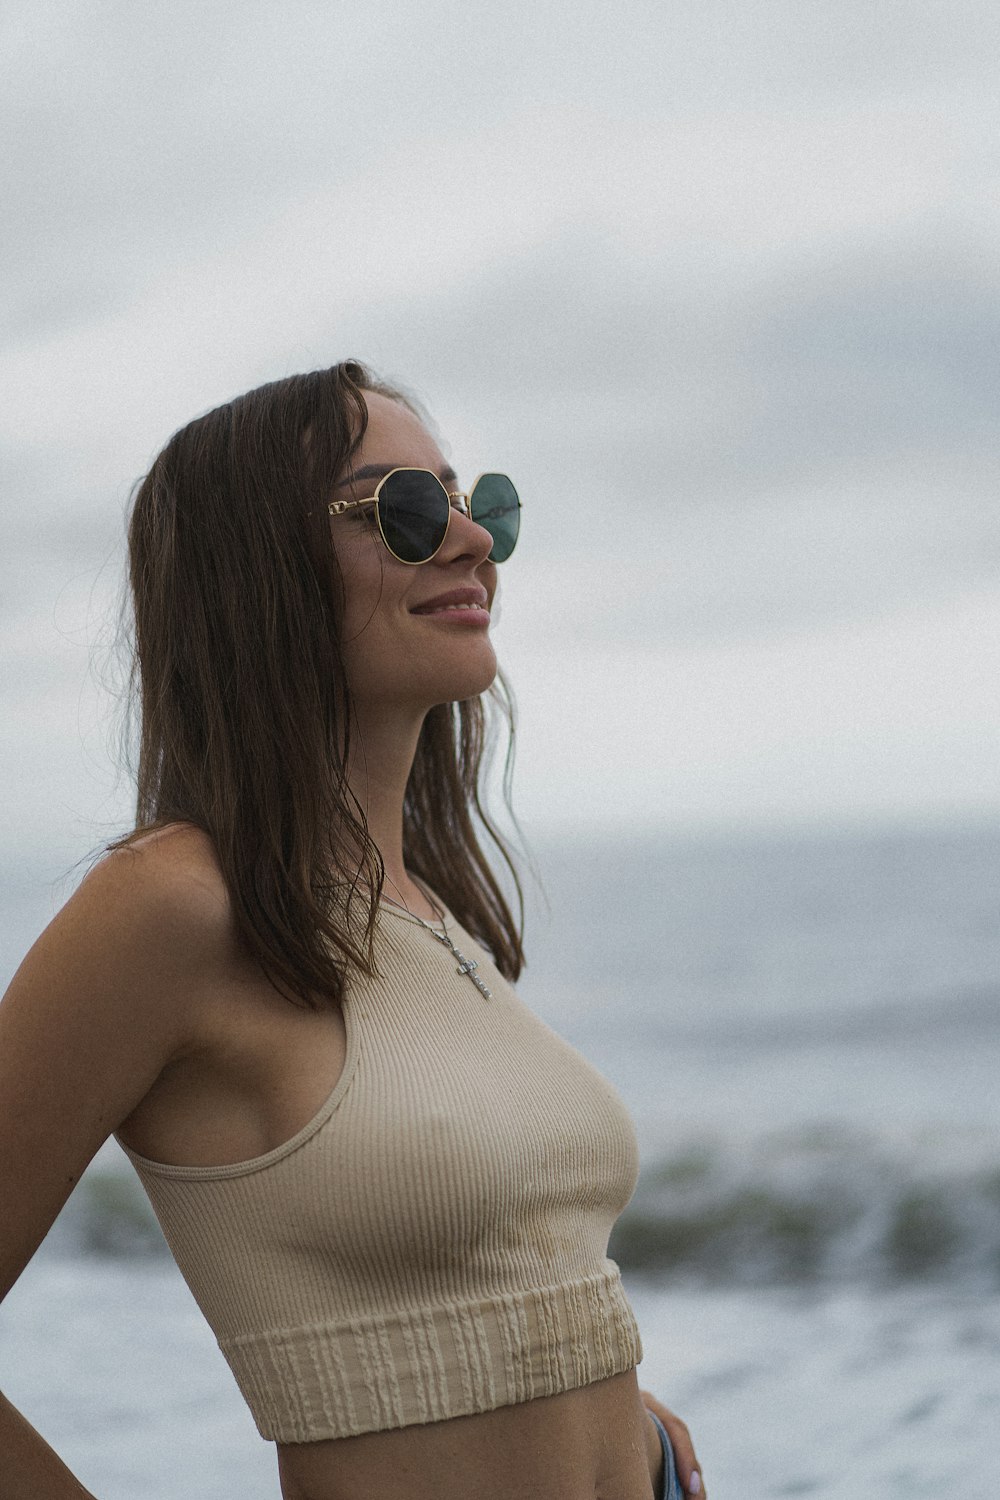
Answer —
434 1242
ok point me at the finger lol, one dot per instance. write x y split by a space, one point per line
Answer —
688 1468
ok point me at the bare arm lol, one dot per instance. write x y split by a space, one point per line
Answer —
28 1466
100 1006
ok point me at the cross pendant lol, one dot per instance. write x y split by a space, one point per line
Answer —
467 966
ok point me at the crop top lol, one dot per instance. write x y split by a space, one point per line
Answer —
433 1242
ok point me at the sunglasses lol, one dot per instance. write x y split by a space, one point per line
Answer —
413 509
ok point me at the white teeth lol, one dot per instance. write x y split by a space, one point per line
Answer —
441 609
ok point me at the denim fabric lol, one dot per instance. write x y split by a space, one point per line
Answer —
671 1484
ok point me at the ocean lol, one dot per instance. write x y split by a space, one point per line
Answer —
806 1029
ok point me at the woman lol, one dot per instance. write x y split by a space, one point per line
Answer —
287 992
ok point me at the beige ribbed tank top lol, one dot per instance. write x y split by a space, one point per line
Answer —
434 1241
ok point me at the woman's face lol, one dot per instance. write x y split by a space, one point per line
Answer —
396 650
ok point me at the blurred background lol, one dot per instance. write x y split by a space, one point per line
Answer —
718 286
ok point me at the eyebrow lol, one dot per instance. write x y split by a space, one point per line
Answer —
379 471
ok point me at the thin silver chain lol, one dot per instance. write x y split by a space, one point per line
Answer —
466 966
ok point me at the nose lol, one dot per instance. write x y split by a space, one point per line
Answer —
466 540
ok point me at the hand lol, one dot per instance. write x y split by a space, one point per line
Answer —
688 1468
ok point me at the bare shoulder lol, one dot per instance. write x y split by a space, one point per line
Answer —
177 865
126 944
163 895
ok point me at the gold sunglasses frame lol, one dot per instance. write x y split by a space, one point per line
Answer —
339 507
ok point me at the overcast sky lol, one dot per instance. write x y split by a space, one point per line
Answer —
717 284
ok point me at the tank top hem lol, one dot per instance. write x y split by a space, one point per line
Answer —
430 1364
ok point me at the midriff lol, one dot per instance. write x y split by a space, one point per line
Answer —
594 1443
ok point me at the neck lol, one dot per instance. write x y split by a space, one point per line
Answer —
383 746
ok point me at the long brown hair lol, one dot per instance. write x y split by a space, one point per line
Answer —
239 692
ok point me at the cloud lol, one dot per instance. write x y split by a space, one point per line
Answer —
138 139
139 136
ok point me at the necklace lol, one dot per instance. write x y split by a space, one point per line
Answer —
466 966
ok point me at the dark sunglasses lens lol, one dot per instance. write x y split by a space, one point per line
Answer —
494 504
413 510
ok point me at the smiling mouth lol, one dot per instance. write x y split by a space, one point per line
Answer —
447 609
470 596
458 616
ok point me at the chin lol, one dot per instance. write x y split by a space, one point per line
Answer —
469 680
471 688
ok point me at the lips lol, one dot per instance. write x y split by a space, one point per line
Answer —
475 597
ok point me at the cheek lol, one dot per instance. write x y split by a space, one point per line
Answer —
374 637
365 585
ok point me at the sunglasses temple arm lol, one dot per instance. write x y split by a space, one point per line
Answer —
338 507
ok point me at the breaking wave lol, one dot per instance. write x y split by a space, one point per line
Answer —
820 1205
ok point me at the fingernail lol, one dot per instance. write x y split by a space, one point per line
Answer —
694 1486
